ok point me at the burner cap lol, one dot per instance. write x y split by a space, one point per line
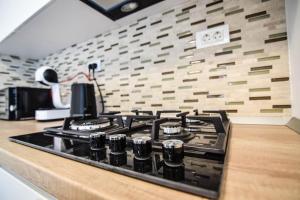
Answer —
89 125
195 121
171 128
193 128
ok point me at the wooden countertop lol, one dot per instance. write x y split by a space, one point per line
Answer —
263 163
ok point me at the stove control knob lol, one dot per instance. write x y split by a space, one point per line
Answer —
97 140
142 146
117 143
173 172
173 151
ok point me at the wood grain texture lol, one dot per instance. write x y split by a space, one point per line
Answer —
263 163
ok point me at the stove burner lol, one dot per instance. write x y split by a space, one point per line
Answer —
171 128
181 135
89 125
192 128
195 121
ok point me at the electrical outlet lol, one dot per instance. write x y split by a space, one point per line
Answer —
212 37
98 62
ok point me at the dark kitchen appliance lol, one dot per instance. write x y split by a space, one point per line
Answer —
185 152
115 10
83 102
17 103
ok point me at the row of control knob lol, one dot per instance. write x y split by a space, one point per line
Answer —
173 154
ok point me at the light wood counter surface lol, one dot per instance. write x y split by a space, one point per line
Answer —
263 163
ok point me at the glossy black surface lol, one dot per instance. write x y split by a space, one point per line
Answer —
195 175
187 156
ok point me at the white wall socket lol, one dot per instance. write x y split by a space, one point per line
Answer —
98 62
212 36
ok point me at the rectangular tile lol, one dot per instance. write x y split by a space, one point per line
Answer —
278 35
182 20
234 12
273 110
197 61
162 36
190 100
185 36
167 47
156 22
258 72
282 106
189 7
260 98
215 25
232 47
275 40
256 14
253 52
268 58
214 3
201 93
167 73
280 79
218 77
226 64
234 103
215 96
168 92
168 98
189 80
237 83
198 22
264 89
166 28
223 53
214 10
261 67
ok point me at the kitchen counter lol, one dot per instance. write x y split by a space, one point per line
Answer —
263 162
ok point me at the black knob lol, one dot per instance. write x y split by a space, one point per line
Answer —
98 155
118 159
173 151
175 173
117 143
142 165
97 140
142 146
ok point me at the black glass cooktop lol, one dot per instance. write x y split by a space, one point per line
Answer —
185 172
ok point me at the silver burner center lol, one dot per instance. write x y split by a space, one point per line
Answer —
88 126
171 128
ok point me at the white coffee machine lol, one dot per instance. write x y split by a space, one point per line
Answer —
47 76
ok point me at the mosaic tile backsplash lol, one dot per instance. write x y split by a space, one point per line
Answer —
153 63
15 71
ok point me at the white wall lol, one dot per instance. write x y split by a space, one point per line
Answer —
13 13
293 29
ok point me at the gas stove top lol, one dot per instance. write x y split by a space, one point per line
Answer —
185 152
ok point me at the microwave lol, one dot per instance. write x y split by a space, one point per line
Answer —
18 103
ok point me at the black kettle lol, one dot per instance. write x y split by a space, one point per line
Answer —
83 101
